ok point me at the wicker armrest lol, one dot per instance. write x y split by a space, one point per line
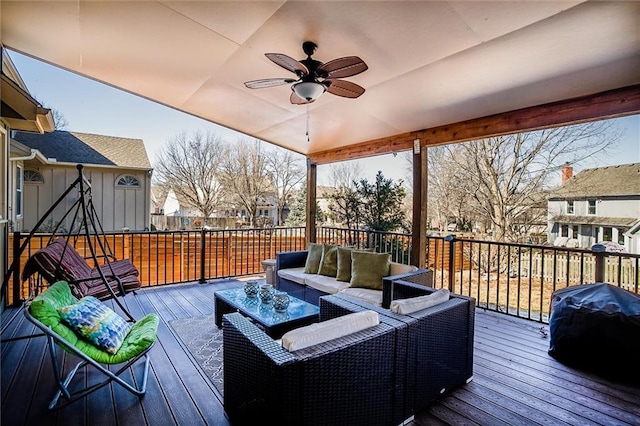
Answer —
411 284
291 259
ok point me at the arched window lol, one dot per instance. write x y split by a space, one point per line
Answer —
128 181
33 176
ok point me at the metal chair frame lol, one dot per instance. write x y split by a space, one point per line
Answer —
53 340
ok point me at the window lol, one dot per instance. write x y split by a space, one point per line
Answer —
128 181
19 182
33 176
570 207
607 233
564 230
591 206
574 231
620 237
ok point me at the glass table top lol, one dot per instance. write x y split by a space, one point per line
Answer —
265 313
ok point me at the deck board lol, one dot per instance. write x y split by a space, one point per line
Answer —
515 381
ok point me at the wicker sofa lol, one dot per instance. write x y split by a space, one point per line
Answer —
381 375
349 380
434 346
290 277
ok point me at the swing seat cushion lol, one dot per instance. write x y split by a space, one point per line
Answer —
45 307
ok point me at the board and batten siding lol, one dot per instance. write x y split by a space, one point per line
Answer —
116 207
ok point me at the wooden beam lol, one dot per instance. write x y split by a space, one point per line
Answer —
419 223
312 176
610 104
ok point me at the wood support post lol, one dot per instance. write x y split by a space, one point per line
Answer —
312 177
419 226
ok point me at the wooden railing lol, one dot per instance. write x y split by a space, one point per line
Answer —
516 279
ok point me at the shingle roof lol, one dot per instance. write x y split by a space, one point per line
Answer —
619 222
623 180
87 148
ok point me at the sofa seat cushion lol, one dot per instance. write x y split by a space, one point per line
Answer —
297 275
325 331
325 284
368 295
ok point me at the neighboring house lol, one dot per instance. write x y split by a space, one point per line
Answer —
18 111
158 199
597 205
531 222
169 204
118 169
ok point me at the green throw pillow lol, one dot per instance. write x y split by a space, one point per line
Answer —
314 256
329 261
368 269
343 263
96 322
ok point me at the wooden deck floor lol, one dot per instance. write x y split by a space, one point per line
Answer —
515 381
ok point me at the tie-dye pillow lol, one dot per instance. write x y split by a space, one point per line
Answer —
96 322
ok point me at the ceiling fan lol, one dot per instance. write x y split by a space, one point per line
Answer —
314 77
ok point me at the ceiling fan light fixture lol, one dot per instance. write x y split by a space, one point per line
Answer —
308 90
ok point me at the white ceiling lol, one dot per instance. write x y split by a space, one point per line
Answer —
430 62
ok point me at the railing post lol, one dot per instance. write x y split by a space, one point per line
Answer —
452 260
16 270
202 254
599 250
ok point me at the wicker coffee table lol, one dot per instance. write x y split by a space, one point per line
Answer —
275 324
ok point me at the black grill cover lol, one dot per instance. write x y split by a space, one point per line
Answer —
596 327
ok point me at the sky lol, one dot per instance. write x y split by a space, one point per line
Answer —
93 107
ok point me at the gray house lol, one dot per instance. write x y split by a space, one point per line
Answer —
118 169
597 205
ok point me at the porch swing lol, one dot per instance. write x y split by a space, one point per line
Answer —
108 278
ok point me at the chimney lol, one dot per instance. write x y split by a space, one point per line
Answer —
567 172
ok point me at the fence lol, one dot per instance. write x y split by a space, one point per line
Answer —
516 279
168 257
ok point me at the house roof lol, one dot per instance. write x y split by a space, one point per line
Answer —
431 63
87 148
613 181
620 222
18 108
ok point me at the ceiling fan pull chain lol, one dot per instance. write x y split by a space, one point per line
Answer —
308 139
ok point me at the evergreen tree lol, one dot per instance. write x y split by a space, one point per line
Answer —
298 209
381 203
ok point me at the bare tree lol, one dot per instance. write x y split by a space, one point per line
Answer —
59 119
244 175
503 176
448 195
286 170
189 165
344 175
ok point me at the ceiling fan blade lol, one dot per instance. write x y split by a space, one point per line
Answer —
297 100
288 63
342 67
268 82
343 88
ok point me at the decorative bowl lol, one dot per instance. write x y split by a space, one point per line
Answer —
266 293
280 301
251 289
